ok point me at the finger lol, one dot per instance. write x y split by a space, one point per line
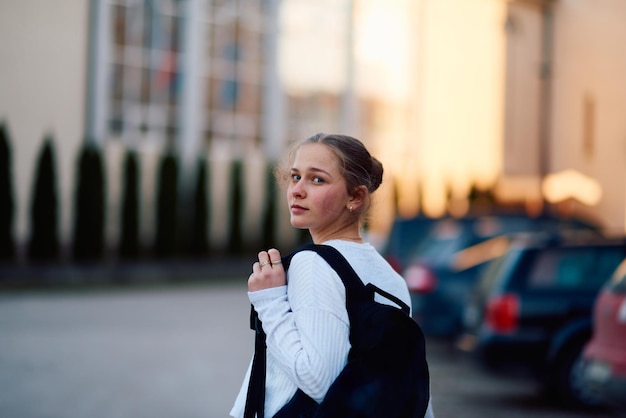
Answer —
253 278
264 259
274 256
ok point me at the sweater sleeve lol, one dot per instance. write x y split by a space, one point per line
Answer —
306 324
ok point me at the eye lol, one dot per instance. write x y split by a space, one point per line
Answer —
296 177
318 180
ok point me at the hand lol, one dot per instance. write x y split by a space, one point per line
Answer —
268 272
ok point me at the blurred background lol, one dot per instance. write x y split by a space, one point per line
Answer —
138 139
136 128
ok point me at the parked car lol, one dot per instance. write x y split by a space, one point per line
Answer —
530 313
604 359
444 268
404 236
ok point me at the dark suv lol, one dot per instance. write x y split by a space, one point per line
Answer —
443 269
531 311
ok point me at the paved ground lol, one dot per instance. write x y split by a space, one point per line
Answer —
156 351
140 353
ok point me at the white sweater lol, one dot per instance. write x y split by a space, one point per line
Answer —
307 323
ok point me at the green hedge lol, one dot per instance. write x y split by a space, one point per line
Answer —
129 245
270 214
235 236
88 242
199 242
7 205
43 244
165 244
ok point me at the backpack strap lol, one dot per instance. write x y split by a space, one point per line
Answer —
355 289
403 306
255 399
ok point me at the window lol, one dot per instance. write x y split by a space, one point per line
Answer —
150 73
144 68
618 282
574 268
234 71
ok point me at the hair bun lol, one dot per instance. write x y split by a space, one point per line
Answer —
376 175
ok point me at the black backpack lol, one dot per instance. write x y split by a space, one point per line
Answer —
386 374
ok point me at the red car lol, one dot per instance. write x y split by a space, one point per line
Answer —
604 358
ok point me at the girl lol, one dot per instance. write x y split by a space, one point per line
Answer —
329 180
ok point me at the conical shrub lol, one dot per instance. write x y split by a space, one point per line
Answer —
235 238
270 214
88 242
167 207
199 245
129 246
7 205
43 244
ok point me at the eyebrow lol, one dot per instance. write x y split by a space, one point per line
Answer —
313 169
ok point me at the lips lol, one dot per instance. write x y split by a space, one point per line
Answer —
296 209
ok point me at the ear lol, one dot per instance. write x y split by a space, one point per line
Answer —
357 198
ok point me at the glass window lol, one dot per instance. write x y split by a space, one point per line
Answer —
234 73
144 72
574 268
618 282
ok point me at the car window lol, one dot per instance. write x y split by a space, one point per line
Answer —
554 269
440 252
496 271
406 235
610 260
444 239
618 282
573 268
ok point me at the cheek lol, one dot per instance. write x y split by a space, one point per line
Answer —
331 201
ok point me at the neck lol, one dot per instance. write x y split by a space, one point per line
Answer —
348 234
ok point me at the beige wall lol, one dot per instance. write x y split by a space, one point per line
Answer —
43 78
586 131
590 67
461 98
42 90
522 88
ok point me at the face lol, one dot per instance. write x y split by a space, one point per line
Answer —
316 191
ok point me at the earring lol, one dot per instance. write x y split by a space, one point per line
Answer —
350 208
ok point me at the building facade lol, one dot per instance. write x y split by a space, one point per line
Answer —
447 93
563 89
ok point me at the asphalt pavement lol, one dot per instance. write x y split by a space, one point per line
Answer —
154 351
161 350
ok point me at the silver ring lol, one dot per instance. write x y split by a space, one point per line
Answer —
277 262
264 263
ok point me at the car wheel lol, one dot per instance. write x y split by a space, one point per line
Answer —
569 379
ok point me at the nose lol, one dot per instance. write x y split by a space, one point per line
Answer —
296 189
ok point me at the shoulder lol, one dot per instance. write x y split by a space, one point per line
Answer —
371 267
311 280
362 256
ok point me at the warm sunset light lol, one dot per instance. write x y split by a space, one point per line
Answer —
462 98
384 48
441 66
571 184
313 45
436 70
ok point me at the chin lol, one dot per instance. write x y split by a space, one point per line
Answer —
298 225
